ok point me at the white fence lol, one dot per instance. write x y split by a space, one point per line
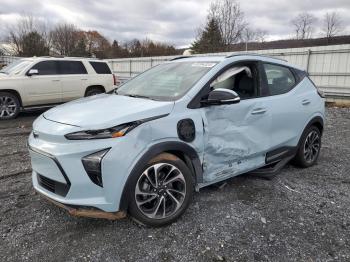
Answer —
328 66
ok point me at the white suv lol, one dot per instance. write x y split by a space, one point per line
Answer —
31 83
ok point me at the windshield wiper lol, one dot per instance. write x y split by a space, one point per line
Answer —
138 96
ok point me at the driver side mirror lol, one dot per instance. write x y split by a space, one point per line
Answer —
33 72
222 96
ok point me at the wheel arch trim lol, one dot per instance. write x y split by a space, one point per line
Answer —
152 152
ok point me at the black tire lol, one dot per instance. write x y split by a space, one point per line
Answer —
9 106
165 160
94 91
301 158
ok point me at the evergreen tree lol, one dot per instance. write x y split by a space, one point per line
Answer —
33 44
210 39
80 49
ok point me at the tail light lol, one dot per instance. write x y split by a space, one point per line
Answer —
115 79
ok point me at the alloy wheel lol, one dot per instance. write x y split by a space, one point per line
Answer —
160 191
8 106
311 146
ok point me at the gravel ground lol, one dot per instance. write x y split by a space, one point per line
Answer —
300 215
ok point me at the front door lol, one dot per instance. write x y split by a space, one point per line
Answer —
236 136
45 87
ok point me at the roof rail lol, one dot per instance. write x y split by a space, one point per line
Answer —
180 57
255 54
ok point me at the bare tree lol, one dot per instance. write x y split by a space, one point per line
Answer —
64 38
230 19
251 35
304 25
332 24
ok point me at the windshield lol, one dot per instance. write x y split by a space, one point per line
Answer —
166 81
15 67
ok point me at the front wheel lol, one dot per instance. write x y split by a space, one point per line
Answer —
309 147
162 192
9 106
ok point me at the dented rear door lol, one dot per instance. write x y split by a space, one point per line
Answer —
236 138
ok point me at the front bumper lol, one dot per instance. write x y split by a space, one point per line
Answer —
59 162
88 212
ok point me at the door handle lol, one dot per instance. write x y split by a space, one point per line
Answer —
258 111
305 102
55 80
83 79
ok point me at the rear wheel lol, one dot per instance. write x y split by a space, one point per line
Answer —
9 106
162 192
94 91
309 148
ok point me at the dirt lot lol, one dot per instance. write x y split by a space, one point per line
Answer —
301 215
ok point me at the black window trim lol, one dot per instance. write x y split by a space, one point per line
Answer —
291 69
196 101
58 67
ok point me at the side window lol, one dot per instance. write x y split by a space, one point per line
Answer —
46 68
280 79
100 67
72 68
241 79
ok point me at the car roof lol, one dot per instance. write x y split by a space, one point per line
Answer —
41 58
235 56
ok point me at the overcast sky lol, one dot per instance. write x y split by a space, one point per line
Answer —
173 21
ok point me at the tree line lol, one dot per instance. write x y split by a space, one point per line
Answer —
31 37
226 25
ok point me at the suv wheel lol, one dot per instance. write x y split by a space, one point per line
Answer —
9 106
94 91
309 148
162 192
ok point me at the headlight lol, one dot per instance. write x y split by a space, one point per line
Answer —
113 132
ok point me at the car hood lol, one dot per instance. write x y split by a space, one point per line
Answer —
107 110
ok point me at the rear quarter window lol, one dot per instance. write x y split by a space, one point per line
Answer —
100 67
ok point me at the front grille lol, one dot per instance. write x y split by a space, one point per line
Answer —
53 186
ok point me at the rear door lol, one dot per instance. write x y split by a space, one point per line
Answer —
289 103
74 78
45 87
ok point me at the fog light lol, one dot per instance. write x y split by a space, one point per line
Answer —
92 165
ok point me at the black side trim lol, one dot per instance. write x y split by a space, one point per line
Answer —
279 154
316 121
153 152
56 162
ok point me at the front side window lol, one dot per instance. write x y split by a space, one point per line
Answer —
280 79
166 81
72 68
239 78
46 68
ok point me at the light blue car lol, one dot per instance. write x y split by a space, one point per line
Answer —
178 127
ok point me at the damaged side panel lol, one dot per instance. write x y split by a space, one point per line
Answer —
235 140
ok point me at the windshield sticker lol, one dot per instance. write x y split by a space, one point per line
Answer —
203 64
